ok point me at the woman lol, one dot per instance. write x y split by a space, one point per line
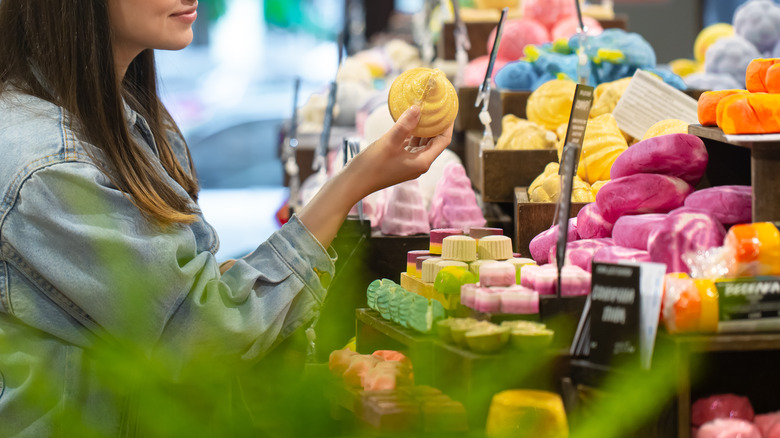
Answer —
108 282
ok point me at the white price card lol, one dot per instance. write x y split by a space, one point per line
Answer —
648 100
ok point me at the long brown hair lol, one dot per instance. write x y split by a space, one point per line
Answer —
61 51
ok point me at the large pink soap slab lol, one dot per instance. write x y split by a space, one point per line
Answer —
541 244
680 155
728 428
680 233
616 254
709 408
641 193
728 204
580 252
591 224
633 231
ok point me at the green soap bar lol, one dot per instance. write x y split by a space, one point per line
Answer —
458 330
528 340
371 293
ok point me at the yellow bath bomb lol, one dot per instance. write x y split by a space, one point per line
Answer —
602 144
667 126
596 186
432 91
683 67
547 187
709 35
521 134
606 96
550 105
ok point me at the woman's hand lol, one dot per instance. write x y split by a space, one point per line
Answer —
396 157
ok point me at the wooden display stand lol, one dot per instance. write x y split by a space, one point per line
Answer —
764 162
535 217
464 375
497 172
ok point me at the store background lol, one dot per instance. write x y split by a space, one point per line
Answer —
232 88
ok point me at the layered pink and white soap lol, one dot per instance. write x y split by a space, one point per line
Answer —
405 213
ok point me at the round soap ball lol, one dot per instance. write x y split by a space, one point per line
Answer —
432 91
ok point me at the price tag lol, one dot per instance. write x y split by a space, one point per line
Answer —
578 119
625 305
749 304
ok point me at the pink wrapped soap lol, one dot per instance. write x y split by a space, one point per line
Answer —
615 254
540 245
405 213
728 428
680 155
468 294
641 193
497 274
707 409
411 261
728 204
591 224
580 252
633 231
519 300
682 232
517 34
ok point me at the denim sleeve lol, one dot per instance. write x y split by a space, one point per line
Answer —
77 237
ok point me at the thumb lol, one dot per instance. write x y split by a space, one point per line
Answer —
404 125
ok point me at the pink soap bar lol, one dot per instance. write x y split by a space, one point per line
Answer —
591 224
480 232
438 235
519 300
339 361
528 275
540 245
468 294
641 193
615 254
487 300
728 204
358 366
721 406
728 428
633 231
574 280
497 274
680 155
680 233
580 252
411 260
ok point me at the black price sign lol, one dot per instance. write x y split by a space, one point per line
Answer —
578 119
615 317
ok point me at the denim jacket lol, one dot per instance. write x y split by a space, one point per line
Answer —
80 266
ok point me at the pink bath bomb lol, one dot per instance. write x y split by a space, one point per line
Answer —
641 193
567 27
516 34
549 12
681 155
728 204
475 70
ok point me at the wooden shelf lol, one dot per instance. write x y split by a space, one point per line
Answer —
764 169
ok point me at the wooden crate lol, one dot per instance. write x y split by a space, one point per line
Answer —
531 218
496 173
468 114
